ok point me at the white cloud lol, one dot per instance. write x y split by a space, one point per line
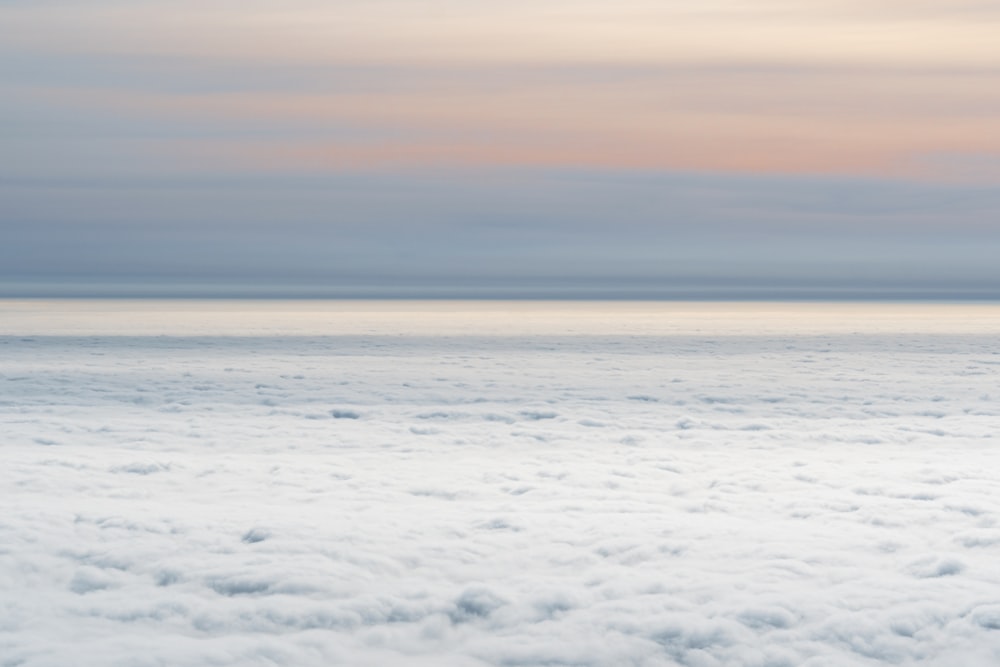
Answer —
812 497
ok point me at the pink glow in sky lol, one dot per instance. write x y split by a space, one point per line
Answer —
800 143
803 87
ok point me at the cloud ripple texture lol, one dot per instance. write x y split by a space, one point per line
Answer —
376 493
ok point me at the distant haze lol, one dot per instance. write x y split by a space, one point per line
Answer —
811 149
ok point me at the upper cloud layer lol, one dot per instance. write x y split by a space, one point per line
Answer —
812 87
219 139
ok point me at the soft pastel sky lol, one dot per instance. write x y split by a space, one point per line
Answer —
390 147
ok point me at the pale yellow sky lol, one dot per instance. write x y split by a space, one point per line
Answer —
445 32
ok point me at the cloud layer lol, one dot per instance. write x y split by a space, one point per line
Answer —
633 486
387 146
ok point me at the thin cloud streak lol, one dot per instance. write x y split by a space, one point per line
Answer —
505 233
688 120
444 31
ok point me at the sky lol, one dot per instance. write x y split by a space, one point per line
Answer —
546 148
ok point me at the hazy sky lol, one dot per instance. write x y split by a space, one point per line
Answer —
543 147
